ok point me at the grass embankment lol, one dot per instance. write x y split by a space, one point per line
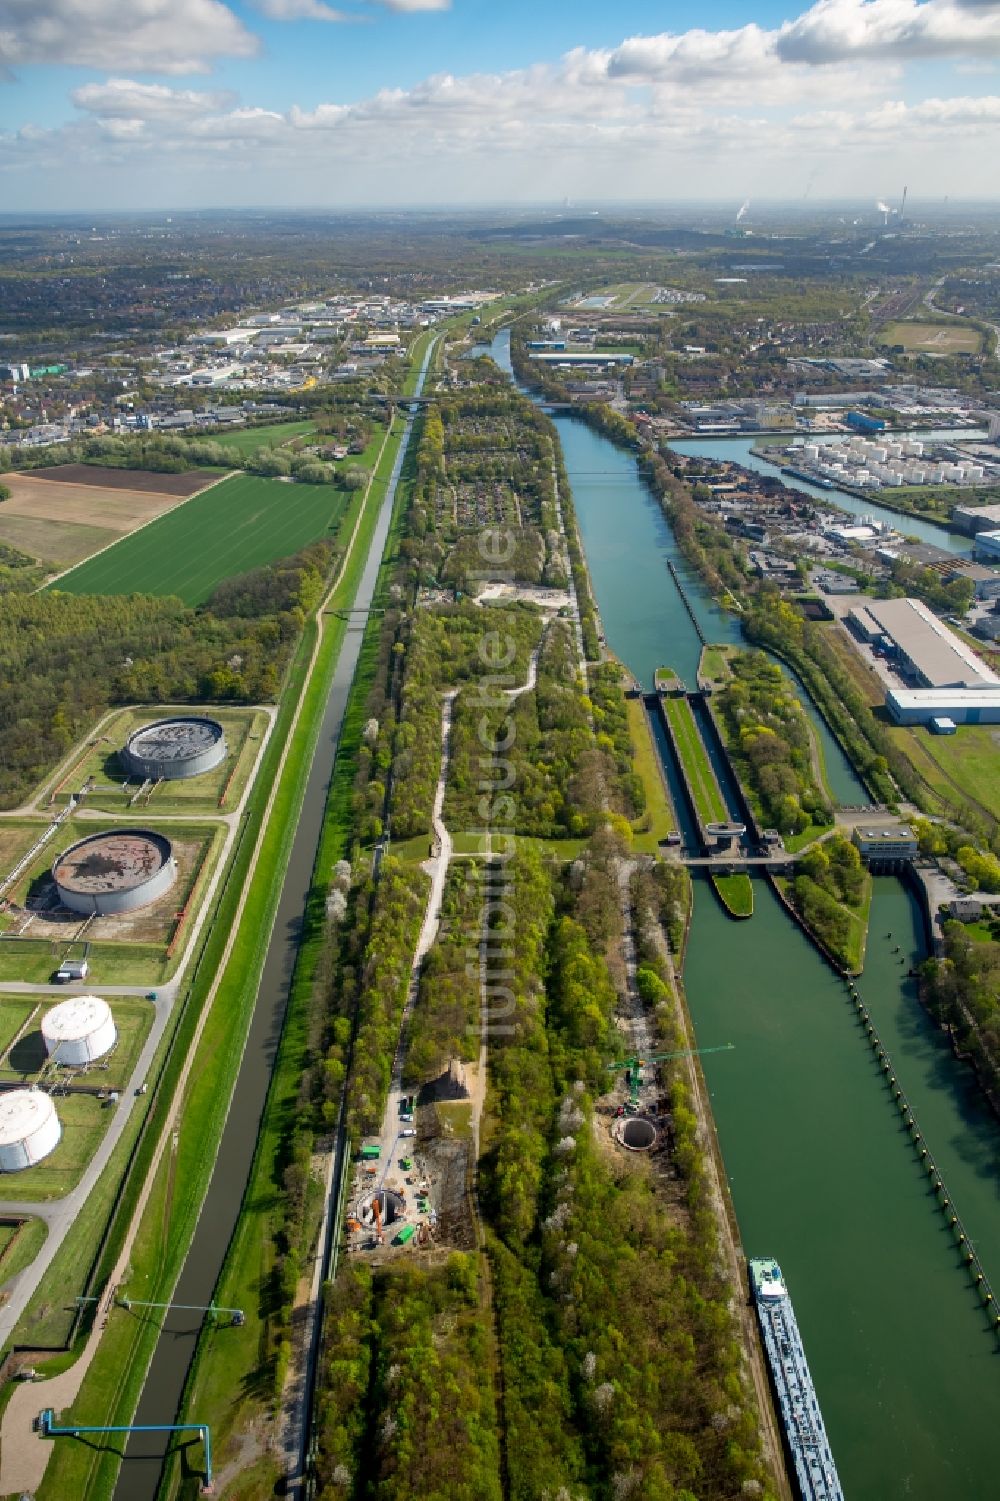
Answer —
665 677
658 820
694 758
713 665
115 1378
21 1243
250 1360
229 529
735 893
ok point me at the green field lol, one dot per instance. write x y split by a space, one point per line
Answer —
275 435
966 763
697 767
237 525
933 338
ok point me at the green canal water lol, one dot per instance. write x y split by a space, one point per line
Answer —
822 1172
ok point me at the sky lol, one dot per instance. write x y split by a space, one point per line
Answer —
160 104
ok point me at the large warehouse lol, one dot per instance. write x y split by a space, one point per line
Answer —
920 646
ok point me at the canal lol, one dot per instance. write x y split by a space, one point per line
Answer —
822 1172
140 1474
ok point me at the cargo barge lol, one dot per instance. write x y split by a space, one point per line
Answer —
805 1436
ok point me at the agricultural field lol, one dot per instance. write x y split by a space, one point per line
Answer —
239 524
933 338
245 440
218 790
22 1062
62 516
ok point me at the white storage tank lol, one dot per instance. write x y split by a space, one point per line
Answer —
29 1128
78 1031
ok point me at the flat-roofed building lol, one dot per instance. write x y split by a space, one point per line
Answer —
921 645
980 705
886 844
976 519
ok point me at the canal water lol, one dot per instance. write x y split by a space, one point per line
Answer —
822 1172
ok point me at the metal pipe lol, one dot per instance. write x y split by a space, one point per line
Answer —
48 1429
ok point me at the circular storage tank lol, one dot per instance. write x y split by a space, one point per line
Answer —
175 748
117 871
78 1031
29 1128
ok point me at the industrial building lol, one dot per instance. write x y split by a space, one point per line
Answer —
861 422
593 357
975 519
886 846
930 706
171 749
115 872
29 1128
920 646
79 1031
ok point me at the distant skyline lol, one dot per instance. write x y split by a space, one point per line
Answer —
149 104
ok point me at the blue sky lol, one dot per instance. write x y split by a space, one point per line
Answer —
147 103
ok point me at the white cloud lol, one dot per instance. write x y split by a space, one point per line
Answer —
299 10
846 30
414 5
699 112
121 98
155 36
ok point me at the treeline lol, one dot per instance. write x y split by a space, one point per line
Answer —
19 573
829 887
166 454
774 623
67 658
962 990
562 776
768 737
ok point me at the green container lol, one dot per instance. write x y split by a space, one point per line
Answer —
406 1234
370 1153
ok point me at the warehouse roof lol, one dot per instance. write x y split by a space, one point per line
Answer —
936 653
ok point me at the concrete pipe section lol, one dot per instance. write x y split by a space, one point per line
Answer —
637 1134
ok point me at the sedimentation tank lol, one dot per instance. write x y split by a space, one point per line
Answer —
114 872
29 1128
171 749
79 1031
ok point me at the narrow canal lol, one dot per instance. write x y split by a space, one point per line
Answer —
823 1174
139 1477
